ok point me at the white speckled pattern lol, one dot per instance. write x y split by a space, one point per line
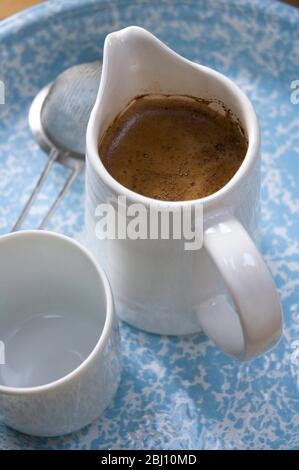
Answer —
176 392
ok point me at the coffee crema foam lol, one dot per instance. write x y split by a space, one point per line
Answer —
173 148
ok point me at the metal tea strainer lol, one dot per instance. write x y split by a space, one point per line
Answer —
58 119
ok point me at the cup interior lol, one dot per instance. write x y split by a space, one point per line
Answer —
53 307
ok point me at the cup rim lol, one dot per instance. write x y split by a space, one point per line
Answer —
252 130
105 333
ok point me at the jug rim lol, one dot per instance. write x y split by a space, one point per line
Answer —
251 128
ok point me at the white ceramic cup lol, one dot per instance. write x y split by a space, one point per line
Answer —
57 323
224 288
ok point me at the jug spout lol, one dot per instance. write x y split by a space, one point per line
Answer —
136 63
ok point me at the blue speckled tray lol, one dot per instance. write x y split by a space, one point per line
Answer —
176 393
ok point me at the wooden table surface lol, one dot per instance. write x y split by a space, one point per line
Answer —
8 7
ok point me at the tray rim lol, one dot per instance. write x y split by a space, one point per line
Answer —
31 17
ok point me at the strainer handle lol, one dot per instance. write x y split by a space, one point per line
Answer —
52 158
71 178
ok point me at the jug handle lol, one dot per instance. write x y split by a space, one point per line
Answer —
252 323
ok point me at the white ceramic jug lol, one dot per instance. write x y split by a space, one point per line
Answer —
225 287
